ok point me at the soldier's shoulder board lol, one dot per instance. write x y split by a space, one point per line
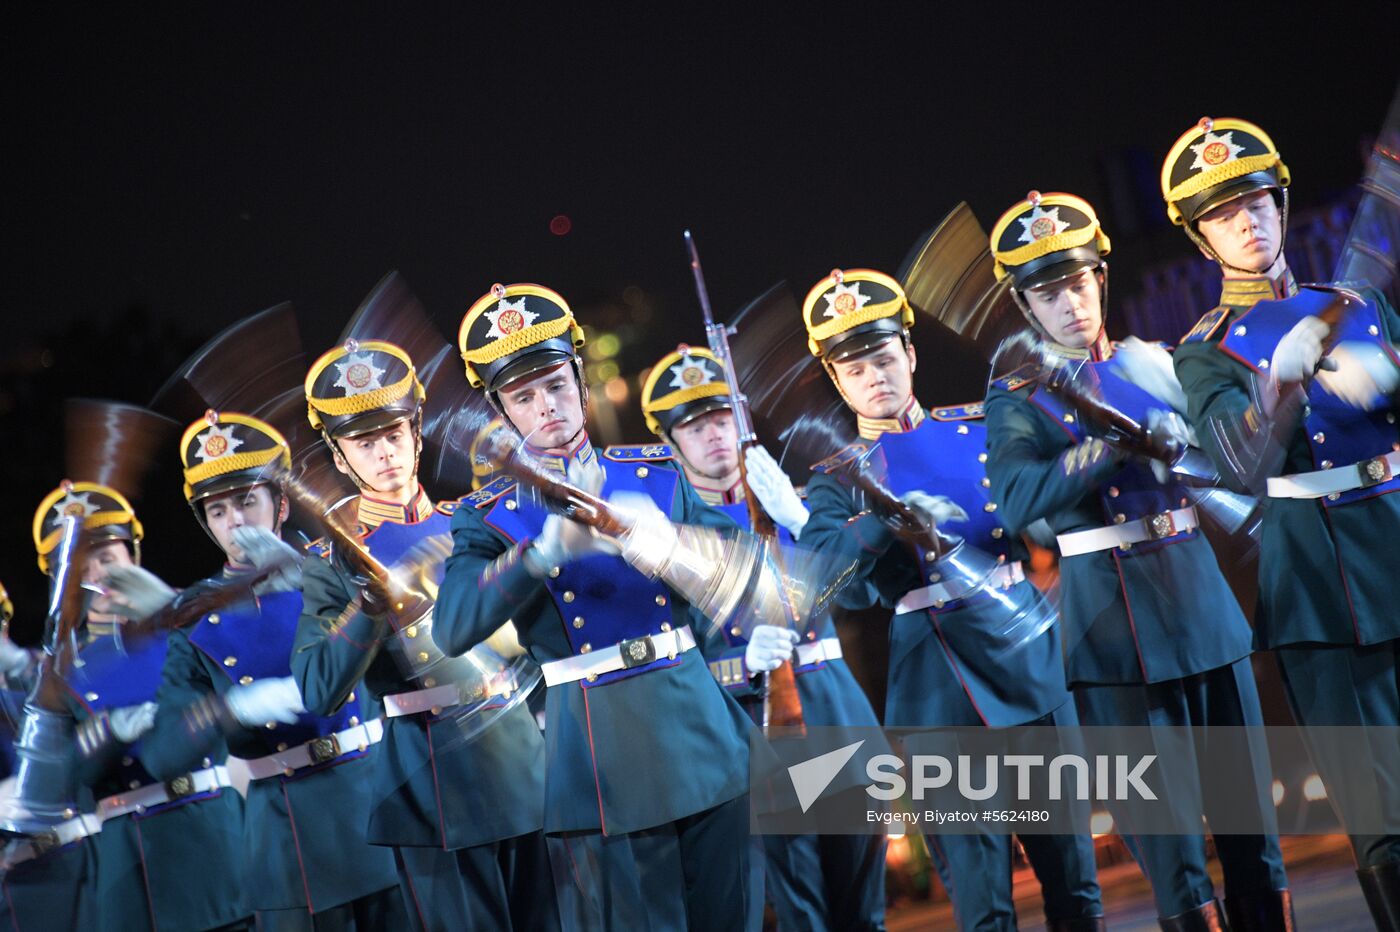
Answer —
1207 325
968 412
489 492
841 457
643 453
449 507
1016 378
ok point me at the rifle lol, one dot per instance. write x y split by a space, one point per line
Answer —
782 706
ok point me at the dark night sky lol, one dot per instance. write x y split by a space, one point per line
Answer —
206 163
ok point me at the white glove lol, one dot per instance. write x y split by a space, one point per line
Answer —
1170 425
136 592
768 647
131 721
1361 374
1149 367
650 537
563 540
13 658
774 491
262 549
1300 350
933 510
263 701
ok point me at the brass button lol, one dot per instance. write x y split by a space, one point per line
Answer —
937 603
435 710
511 505
429 682
207 763
422 656
230 661
281 745
661 600
1113 491
586 649
127 761
981 457
986 483
934 577
288 772
411 631
213 618
665 626
1263 364
990 506
1319 437
354 720
90 697
350 698
997 532
671 655
1126 547
962 428
568 596
554 572
1119 518
578 621
1373 330
1326 464
1334 496
592 677
642 472
930 556
1069 418
1240 330
1390 417
736 631
245 679
270 726
134 784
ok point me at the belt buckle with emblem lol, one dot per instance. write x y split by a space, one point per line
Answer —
1373 471
180 787
323 749
636 652
44 842
1161 525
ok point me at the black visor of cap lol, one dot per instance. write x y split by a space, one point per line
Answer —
356 424
685 413
1055 266
861 338
1194 208
496 375
233 481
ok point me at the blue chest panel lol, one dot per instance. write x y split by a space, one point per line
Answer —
110 675
948 458
391 542
253 641
1338 434
600 598
1133 491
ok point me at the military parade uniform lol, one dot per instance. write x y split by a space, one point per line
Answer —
952 661
307 863
1326 590
642 747
814 881
465 817
1153 633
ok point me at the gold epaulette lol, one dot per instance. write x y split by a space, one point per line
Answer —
649 452
489 492
1207 325
449 507
841 457
970 411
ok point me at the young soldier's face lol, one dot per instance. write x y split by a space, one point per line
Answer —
878 383
383 458
545 407
1070 310
100 560
255 507
709 444
1246 232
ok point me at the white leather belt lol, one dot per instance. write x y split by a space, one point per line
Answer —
441 697
64 833
817 651
158 794
624 655
316 751
937 595
1153 527
1360 475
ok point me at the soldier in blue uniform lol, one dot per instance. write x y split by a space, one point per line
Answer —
642 745
152 830
815 882
465 818
306 864
1153 633
1326 590
948 664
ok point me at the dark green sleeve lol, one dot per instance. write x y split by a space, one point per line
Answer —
836 528
335 644
485 585
93 768
1029 479
170 748
1217 390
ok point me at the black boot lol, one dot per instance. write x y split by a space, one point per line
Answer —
1381 885
1208 917
1261 912
1081 924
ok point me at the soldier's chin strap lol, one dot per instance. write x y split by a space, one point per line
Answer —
1194 235
831 368
415 424
1098 349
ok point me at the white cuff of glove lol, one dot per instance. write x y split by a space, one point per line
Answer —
263 701
769 646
